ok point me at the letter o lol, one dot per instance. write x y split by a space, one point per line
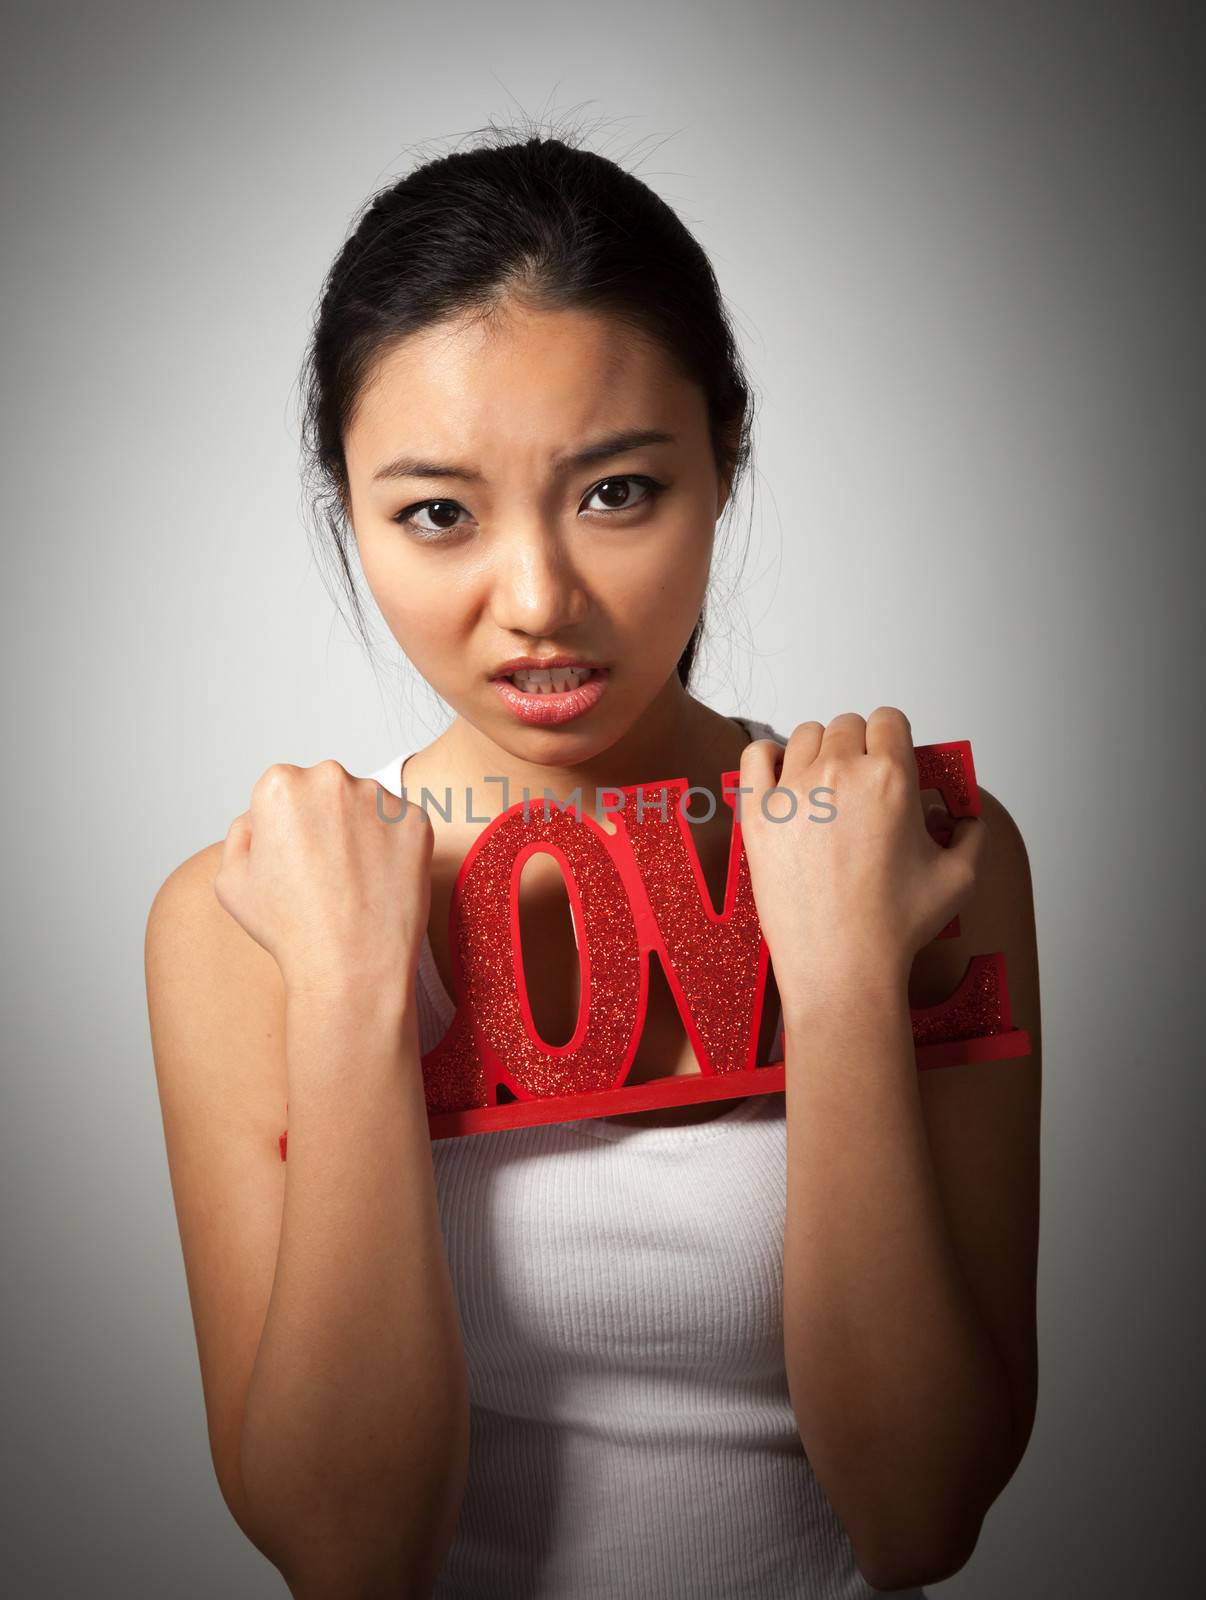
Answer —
696 788
779 789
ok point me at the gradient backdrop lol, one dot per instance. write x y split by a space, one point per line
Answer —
961 243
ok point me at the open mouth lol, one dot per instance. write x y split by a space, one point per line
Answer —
547 695
551 680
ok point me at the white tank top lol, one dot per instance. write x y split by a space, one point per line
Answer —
620 1291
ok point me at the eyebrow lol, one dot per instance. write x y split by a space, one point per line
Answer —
616 444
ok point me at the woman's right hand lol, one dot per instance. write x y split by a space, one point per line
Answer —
332 892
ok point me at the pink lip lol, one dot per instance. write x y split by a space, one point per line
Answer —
551 708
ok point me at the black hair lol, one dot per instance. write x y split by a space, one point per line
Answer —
538 219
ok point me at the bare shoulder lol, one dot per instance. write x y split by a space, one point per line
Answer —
208 981
215 1002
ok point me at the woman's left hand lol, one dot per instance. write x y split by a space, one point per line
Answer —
846 900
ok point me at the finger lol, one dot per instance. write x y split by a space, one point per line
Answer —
930 801
804 744
846 735
938 822
968 847
238 840
798 756
761 760
759 771
889 731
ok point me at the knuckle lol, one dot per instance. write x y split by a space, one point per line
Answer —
751 753
273 782
892 713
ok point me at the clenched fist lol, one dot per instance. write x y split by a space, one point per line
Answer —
334 893
846 901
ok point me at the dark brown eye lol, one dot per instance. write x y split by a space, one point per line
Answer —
442 512
617 492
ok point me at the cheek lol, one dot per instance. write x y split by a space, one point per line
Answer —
664 582
379 568
419 631
431 632
422 616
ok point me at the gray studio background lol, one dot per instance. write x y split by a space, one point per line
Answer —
962 246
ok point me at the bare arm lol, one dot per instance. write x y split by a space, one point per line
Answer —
911 1233
328 1335
900 1393
911 1306
356 1427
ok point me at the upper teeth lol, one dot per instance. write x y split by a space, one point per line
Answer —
549 680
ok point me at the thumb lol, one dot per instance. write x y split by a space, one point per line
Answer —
967 849
238 839
233 866
938 822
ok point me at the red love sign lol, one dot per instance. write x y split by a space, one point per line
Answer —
635 893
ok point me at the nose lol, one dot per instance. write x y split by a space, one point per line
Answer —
536 590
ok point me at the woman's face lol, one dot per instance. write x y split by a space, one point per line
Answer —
482 540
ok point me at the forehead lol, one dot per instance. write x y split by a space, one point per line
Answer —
532 379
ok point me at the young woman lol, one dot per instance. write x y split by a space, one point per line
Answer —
781 1345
